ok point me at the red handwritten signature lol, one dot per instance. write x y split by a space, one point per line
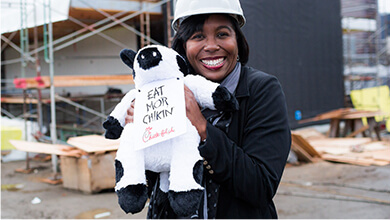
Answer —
150 135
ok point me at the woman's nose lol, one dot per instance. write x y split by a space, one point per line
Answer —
211 45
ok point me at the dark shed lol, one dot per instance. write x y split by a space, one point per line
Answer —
300 42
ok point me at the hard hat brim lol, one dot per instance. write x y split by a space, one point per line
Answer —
176 23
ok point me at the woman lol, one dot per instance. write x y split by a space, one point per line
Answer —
244 152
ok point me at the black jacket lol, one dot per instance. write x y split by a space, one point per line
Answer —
245 161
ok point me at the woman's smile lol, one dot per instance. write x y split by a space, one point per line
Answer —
213 63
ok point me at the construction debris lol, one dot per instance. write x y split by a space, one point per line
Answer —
87 163
311 145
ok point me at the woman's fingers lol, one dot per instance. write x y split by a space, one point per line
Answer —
194 114
130 113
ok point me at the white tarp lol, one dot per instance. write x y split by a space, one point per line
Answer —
117 5
11 13
11 10
359 24
380 70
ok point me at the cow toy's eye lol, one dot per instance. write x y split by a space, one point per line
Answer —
154 54
142 57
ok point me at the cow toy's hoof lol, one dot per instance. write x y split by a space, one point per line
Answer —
185 204
224 100
113 128
132 199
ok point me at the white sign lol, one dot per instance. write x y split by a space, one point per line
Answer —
159 112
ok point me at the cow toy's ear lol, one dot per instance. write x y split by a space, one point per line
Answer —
182 65
128 57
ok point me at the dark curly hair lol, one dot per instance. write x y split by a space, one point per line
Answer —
195 23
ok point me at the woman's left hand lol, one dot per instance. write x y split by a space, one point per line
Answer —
194 114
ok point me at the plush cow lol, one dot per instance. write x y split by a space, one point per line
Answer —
177 159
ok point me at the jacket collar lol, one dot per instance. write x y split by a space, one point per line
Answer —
242 89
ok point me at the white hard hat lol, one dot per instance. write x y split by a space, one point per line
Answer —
186 8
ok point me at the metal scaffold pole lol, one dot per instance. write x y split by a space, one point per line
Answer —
24 50
378 44
38 70
53 124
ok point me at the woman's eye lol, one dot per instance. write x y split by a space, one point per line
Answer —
197 36
222 34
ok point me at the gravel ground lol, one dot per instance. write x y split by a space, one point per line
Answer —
319 190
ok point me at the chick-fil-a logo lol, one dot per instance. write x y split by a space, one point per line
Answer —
150 135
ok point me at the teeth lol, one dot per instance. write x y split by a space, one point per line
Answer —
213 62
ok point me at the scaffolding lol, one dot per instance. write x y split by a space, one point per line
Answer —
366 53
51 45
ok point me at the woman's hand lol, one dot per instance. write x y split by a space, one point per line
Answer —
130 113
194 114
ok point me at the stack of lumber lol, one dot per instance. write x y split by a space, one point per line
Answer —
310 145
343 113
78 146
87 163
44 148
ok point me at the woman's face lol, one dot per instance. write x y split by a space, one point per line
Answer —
213 51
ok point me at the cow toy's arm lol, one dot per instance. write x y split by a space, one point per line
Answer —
116 120
211 95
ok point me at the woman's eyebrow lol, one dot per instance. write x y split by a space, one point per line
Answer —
224 26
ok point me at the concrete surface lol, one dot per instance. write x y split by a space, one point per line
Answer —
334 190
319 190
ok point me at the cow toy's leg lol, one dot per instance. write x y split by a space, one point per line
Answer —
185 193
130 175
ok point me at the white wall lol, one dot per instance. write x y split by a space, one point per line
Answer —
91 56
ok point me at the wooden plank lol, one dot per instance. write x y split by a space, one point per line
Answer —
297 139
381 155
70 81
360 130
301 153
339 142
333 150
89 174
69 171
76 173
327 115
309 133
354 160
376 145
103 172
334 129
343 113
84 172
94 143
93 80
20 100
377 155
362 114
36 147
